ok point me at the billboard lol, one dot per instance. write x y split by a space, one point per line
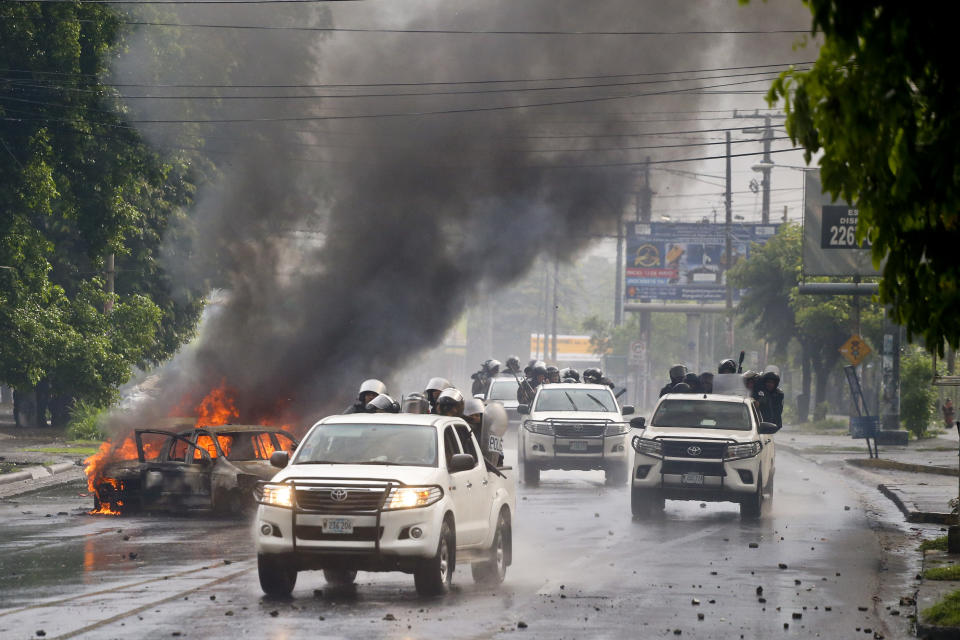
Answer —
830 235
569 348
683 261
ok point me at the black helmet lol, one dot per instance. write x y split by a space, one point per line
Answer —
681 387
513 363
383 404
570 373
592 375
677 372
727 366
538 369
692 379
450 402
569 380
553 374
770 376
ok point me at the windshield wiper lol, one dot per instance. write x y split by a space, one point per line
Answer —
572 403
602 406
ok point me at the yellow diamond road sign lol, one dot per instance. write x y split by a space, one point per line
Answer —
855 350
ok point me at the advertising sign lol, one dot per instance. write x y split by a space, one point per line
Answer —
682 261
569 348
830 235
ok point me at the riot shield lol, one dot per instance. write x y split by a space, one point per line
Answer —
495 422
729 384
415 403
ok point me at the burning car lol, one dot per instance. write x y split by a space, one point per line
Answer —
201 468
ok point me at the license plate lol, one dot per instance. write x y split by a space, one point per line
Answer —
338 525
579 445
692 478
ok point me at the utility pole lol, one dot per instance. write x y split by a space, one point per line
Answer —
644 201
728 250
618 285
766 138
556 307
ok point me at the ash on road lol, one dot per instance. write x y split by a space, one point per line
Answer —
582 568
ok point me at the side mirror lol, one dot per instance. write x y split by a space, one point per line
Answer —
627 410
523 409
279 459
462 462
638 423
767 428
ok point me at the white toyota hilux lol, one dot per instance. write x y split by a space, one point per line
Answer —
703 447
385 492
574 426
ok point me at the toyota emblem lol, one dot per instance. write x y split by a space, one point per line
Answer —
694 451
578 427
339 495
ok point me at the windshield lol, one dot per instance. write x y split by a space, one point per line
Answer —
505 389
401 444
575 400
702 414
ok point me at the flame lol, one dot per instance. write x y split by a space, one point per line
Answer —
217 408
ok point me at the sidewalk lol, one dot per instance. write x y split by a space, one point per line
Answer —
919 478
51 463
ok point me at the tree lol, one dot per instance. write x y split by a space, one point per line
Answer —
917 397
78 185
879 104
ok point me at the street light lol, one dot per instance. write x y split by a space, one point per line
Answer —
760 167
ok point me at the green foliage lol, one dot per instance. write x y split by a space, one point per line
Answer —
820 411
936 544
78 185
86 421
878 106
943 573
945 613
917 396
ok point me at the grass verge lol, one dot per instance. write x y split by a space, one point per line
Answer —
943 573
937 544
945 613
78 450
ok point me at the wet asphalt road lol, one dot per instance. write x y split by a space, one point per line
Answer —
582 568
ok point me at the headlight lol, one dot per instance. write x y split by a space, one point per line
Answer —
278 495
411 497
649 447
616 429
739 451
543 428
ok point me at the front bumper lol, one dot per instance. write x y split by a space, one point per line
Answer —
676 478
378 543
585 453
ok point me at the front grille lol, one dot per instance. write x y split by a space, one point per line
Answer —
357 499
681 449
578 430
679 467
360 534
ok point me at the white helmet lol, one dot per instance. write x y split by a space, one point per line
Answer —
371 386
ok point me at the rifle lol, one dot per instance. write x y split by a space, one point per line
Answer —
740 363
530 389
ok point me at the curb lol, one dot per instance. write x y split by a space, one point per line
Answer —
36 472
9 478
893 465
915 516
927 595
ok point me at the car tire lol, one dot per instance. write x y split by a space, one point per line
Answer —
617 475
493 571
277 577
433 575
531 473
644 502
752 506
339 577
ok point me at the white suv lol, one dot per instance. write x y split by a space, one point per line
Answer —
385 492
703 447
574 426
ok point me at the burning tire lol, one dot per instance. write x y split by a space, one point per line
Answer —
339 577
433 576
277 578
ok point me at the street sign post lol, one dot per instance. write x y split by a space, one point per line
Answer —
638 350
855 350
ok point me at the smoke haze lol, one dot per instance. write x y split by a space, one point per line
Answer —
346 246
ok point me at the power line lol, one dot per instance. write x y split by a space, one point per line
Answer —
405 84
181 2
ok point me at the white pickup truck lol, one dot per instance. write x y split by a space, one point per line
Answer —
574 426
385 492
704 447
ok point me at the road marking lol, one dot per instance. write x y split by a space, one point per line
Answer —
150 605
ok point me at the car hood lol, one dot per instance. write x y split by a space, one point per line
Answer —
720 434
577 415
260 468
406 475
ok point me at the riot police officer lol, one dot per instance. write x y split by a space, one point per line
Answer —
706 382
528 387
433 389
570 375
553 375
677 374
727 366
369 390
383 404
473 415
592 375
450 403
770 398
513 365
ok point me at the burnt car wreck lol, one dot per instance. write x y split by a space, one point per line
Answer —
200 469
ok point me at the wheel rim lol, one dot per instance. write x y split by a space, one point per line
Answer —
444 559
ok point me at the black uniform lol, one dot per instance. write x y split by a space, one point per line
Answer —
769 401
357 407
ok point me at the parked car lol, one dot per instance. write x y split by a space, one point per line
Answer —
385 492
706 448
574 426
209 468
503 389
